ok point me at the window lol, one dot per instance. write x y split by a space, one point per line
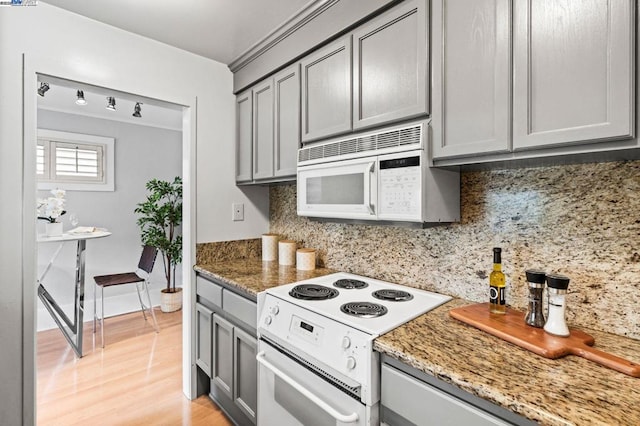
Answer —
74 161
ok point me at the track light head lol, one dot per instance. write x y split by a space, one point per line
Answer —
43 89
111 103
80 100
137 109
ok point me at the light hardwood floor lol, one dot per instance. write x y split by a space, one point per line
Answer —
135 380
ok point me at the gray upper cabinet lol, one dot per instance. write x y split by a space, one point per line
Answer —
244 136
263 130
268 129
286 86
390 79
326 91
471 77
573 71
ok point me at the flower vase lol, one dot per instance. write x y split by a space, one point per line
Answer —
53 229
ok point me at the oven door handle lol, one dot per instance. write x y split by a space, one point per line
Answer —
350 418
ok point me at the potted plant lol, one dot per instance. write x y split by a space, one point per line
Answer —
159 221
50 209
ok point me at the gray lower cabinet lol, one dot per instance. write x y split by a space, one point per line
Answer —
390 78
245 371
515 76
226 348
222 356
326 91
411 398
204 317
244 136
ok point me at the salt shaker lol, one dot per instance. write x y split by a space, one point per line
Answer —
557 289
536 279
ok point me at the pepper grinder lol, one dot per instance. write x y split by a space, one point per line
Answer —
557 290
536 279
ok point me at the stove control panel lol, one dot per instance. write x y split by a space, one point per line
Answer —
338 347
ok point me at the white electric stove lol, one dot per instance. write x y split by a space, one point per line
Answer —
316 346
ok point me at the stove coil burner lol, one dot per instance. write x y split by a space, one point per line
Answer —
392 295
312 292
348 283
363 309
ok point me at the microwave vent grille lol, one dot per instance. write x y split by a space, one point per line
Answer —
349 146
409 135
369 143
316 152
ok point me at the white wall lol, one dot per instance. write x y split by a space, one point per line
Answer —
141 154
68 46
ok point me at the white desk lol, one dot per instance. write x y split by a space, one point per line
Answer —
72 330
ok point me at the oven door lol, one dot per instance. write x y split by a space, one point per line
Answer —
291 395
342 189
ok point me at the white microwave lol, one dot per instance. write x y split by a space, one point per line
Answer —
380 176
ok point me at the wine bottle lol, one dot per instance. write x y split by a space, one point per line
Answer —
497 303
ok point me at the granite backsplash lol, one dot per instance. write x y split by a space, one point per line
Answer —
582 221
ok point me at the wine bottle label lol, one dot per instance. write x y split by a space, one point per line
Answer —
496 295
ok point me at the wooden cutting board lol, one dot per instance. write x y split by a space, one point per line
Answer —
512 328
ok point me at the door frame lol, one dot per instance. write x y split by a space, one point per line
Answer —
34 65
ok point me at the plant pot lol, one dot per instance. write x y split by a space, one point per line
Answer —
170 301
53 229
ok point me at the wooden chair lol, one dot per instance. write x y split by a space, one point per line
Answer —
140 278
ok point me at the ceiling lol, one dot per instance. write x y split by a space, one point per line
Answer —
217 29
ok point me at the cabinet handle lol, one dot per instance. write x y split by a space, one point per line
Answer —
350 418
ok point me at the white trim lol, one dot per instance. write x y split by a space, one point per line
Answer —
109 161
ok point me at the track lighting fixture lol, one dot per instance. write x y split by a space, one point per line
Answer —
137 109
80 100
43 89
112 103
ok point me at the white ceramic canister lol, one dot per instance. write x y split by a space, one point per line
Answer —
306 259
287 252
269 247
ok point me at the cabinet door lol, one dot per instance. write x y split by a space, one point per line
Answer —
408 407
573 71
263 130
326 91
245 370
286 86
244 136
390 66
471 77
204 318
222 360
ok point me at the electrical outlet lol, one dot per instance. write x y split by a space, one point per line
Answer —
238 211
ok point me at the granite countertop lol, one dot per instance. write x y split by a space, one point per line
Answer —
565 391
251 276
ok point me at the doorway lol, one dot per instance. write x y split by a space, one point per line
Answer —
34 67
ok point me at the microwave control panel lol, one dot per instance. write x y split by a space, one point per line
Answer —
399 187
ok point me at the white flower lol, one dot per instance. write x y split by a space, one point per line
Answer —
53 207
